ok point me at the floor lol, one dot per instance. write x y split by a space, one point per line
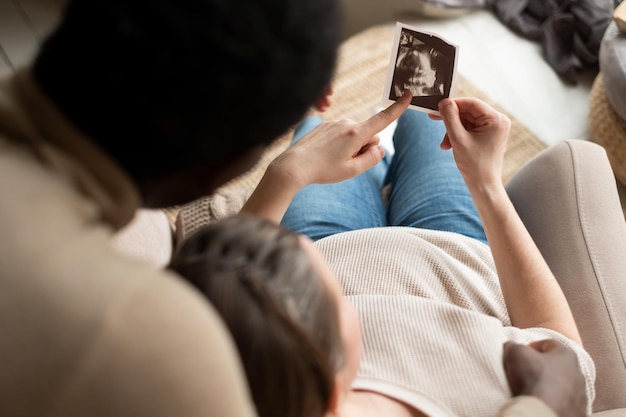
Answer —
508 68
512 71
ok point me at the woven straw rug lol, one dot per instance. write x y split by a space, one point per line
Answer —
358 86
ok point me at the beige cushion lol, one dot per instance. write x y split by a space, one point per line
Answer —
618 412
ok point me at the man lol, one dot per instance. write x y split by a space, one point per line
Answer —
135 103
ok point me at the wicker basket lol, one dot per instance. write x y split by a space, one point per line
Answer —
608 129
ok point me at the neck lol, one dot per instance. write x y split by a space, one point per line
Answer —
371 404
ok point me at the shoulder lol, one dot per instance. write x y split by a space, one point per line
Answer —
161 350
158 349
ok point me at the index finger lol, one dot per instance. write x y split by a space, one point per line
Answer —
385 117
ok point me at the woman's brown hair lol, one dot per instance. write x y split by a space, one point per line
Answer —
282 318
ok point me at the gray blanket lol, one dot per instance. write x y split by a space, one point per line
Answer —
570 31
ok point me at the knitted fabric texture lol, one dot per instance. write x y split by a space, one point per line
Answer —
433 319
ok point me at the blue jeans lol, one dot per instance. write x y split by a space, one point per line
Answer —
426 189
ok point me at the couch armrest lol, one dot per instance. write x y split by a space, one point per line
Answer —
617 412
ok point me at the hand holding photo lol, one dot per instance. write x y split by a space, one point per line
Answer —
424 64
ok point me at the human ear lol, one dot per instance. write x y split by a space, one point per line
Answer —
324 102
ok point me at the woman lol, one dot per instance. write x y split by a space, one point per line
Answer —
295 362
435 301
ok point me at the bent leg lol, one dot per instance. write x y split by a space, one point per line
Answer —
427 189
320 210
567 198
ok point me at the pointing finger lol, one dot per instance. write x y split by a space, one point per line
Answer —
385 117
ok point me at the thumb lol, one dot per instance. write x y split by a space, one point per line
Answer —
520 366
449 111
544 345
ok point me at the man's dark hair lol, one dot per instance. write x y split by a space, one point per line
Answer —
189 83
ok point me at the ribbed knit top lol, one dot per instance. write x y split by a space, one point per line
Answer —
433 319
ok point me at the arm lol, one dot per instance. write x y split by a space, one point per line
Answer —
477 134
333 152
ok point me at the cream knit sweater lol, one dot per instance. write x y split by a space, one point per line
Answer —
433 319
